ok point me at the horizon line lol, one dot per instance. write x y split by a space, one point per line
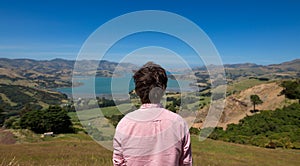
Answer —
66 59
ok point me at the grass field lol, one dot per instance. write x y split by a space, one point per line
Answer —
79 149
7 100
95 118
96 112
243 84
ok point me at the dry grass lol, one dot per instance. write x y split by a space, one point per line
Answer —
70 151
210 152
81 150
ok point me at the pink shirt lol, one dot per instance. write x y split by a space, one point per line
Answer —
152 136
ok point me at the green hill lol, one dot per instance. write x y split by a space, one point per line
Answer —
16 97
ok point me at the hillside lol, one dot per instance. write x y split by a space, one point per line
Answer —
283 70
58 72
237 72
31 82
54 73
16 97
279 128
79 149
287 66
238 105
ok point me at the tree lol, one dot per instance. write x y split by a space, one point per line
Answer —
53 119
291 89
255 100
25 109
1 116
171 107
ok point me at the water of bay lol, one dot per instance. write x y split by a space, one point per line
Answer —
102 86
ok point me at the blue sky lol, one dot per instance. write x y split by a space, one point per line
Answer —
262 32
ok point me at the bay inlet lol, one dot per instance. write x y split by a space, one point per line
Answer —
105 86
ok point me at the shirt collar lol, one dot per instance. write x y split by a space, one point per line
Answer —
151 105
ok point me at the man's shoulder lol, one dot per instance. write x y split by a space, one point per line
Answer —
142 116
122 122
172 115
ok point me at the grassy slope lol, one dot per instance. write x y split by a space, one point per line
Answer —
78 149
243 84
210 152
96 112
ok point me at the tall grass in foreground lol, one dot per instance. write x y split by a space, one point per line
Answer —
79 149
60 152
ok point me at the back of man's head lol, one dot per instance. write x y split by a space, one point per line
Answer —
150 82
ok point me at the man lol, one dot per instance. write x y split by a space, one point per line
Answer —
151 135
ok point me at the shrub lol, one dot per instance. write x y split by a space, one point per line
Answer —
52 119
194 131
279 128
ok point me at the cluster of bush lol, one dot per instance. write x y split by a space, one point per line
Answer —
271 129
174 104
89 103
53 119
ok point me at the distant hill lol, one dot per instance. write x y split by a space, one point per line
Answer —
284 70
242 65
56 72
55 66
27 75
30 83
293 65
14 98
61 70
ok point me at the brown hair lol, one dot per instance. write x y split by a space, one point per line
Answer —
150 82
